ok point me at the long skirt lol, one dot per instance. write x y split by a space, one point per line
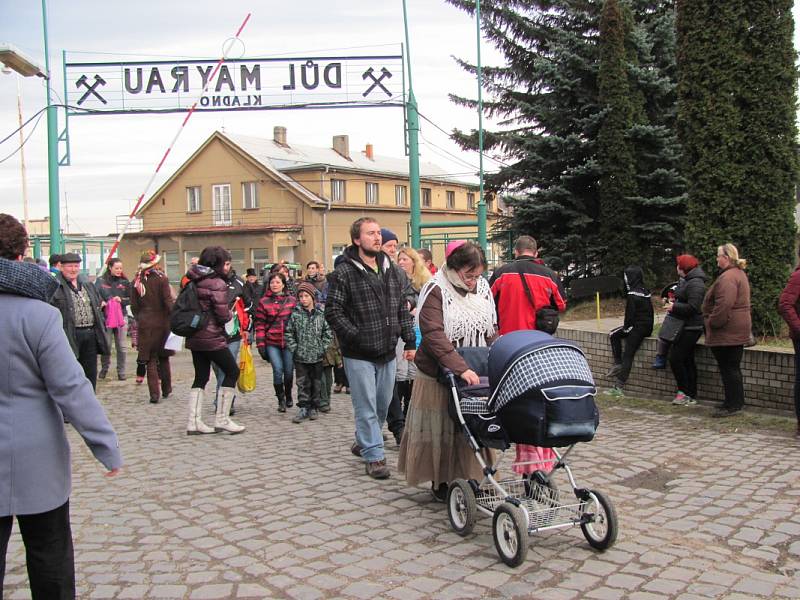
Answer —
433 447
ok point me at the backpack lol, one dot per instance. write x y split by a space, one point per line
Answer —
187 316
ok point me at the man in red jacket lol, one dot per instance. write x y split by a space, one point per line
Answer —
524 286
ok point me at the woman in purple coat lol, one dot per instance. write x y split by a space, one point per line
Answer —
210 344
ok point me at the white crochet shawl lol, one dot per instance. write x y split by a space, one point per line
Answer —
468 319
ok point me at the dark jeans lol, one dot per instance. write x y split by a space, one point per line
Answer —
398 408
309 384
633 339
681 361
797 378
202 367
327 383
728 359
87 352
340 377
48 552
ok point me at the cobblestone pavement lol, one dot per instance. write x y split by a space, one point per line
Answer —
285 511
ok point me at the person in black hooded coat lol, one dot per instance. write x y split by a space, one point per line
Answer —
637 326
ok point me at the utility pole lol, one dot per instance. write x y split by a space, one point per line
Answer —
481 199
22 158
412 123
56 243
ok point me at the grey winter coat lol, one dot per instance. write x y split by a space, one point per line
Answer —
41 384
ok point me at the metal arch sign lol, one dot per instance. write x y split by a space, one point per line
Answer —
240 84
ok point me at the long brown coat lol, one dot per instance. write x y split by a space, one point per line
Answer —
726 309
152 314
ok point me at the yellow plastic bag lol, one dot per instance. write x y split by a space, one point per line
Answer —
247 370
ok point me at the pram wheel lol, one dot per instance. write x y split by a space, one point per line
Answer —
601 531
461 507
510 533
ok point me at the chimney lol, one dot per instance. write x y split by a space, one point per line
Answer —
279 135
369 152
341 143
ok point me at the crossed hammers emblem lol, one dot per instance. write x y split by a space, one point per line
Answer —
91 89
376 81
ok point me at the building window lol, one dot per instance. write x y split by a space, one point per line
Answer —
260 259
172 267
372 193
222 204
337 250
337 190
400 195
193 199
451 199
470 201
237 262
426 197
250 195
188 255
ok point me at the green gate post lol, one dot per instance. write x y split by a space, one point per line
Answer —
413 145
481 200
56 243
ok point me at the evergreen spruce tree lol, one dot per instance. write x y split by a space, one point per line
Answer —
737 122
547 98
617 170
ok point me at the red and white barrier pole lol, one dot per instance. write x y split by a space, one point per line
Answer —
189 114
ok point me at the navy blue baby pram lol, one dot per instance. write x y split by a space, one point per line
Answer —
535 389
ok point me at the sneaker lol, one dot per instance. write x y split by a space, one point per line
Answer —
302 415
659 363
680 398
139 380
378 469
313 414
722 413
613 371
122 377
615 392
337 389
355 450
325 409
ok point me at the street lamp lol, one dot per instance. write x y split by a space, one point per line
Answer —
16 60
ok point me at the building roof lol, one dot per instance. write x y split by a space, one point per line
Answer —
292 157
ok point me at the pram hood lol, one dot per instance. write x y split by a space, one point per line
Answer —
528 359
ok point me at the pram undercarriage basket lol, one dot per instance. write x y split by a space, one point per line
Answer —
540 392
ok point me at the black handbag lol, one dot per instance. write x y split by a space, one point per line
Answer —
547 318
671 328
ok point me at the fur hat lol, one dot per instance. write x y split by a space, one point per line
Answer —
251 272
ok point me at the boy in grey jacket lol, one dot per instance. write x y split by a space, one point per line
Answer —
307 337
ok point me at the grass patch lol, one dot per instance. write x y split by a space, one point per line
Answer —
743 422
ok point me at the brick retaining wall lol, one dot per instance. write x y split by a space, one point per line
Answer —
768 373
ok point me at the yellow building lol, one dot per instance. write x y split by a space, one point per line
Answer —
267 200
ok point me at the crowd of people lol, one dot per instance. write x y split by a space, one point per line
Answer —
381 326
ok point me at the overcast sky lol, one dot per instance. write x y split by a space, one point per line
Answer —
114 156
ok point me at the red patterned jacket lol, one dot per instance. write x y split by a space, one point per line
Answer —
272 313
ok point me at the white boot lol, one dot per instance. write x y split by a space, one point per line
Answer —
196 425
223 421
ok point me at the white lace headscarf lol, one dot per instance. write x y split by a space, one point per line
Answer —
469 319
